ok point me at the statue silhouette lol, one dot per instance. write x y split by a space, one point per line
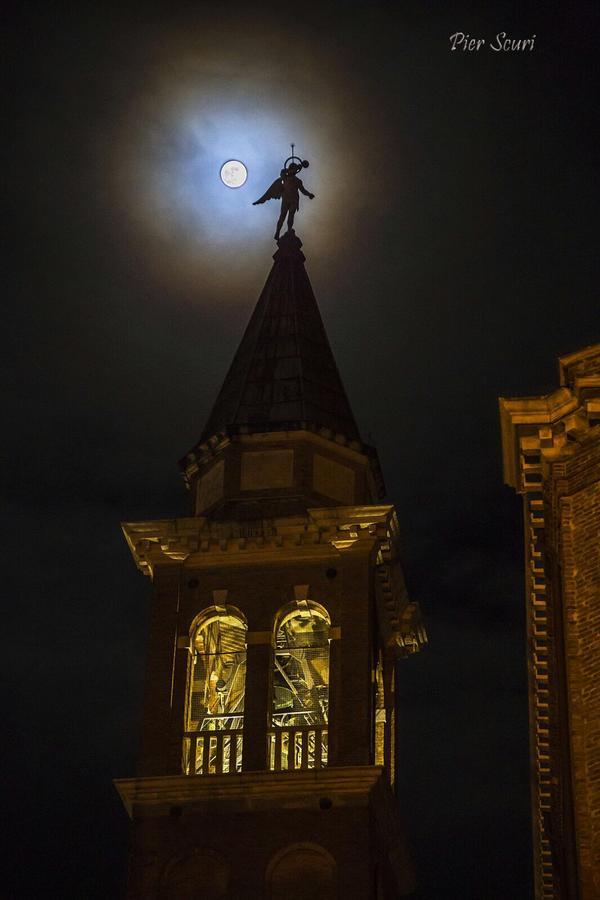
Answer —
286 187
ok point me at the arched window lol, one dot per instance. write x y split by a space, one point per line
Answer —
300 688
215 694
199 873
302 872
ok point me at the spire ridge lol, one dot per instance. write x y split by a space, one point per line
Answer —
283 375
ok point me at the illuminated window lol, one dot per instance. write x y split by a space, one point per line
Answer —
215 695
300 689
380 714
301 668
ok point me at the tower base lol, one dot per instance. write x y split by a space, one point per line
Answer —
323 833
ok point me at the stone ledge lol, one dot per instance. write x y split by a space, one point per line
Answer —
544 421
249 791
197 541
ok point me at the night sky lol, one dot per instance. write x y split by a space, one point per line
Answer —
452 246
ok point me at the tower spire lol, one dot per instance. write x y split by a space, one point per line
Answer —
283 389
268 748
283 375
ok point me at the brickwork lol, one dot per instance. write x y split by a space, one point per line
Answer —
259 592
158 693
578 522
333 557
248 839
298 465
257 838
579 365
551 451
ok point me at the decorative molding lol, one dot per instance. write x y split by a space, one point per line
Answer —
199 542
350 785
400 623
538 433
321 437
548 423
322 534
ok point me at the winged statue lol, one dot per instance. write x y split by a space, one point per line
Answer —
287 188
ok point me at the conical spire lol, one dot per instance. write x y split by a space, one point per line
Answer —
283 375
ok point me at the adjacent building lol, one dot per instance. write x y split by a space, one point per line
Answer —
551 451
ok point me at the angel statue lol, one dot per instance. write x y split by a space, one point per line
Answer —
286 188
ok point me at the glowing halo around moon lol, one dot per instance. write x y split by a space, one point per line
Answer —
233 173
206 98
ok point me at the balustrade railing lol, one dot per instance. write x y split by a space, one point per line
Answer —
212 752
289 748
294 747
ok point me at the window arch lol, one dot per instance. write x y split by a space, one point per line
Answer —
300 687
301 666
215 691
199 873
302 872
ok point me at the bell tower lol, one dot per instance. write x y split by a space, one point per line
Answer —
279 613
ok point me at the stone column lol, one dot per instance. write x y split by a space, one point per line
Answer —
156 720
334 700
256 705
353 716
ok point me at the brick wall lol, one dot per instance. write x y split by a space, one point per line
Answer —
260 592
576 530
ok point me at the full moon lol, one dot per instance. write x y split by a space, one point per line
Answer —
233 173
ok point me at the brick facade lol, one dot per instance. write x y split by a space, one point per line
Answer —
552 457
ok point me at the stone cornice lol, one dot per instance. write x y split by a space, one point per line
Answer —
399 619
578 366
353 450
198 541
546 424
537 433
348 785
204 453
323 534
